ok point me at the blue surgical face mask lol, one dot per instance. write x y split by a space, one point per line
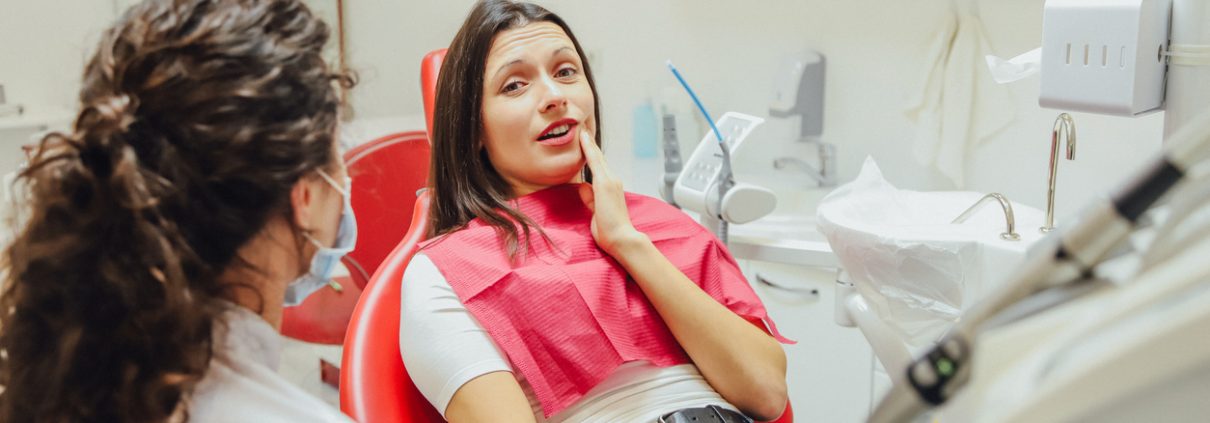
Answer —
326 258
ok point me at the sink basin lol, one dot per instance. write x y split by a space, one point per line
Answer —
918 270
781 227
792 219
789 235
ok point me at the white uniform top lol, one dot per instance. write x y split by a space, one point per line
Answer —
242 384
444 347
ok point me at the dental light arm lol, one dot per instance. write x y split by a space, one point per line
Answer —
940 373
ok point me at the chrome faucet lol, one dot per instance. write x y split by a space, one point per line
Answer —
1010 220
1064 128
825 175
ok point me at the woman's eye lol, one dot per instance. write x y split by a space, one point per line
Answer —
511 86
566 72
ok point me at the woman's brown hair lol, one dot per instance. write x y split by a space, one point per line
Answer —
197 117
465 186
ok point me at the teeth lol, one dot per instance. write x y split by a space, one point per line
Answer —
559 130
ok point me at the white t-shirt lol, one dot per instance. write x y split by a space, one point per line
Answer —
445 347
242 384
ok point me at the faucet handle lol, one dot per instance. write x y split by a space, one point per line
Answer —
1009 218
1065 127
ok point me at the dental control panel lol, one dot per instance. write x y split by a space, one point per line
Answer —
697 185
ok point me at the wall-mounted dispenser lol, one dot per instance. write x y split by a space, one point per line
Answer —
799 92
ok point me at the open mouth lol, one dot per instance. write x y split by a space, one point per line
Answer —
559 132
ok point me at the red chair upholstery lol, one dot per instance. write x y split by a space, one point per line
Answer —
374 385
386 174
430 66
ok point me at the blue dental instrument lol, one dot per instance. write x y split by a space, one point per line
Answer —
700 107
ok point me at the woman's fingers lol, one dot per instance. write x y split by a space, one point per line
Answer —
594 156
586 196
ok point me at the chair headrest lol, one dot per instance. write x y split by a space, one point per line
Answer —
430 66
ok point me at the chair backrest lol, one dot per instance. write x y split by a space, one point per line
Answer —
430 67
387 173
374 384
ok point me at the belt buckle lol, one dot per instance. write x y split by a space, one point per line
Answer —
716 410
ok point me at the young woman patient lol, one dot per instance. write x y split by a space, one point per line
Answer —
545 298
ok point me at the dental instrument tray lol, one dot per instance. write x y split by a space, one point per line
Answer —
696 187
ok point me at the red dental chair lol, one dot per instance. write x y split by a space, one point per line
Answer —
374 383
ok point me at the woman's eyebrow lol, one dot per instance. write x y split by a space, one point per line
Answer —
510 64
506 66
560 50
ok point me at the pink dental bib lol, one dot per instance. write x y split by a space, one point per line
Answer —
567 314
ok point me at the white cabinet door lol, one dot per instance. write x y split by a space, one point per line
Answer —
829 369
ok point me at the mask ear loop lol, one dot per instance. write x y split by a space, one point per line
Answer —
307 234
332 181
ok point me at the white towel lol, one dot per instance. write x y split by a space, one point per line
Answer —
960 105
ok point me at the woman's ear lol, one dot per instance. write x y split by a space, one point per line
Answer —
302 197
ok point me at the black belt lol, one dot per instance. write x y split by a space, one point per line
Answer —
707 414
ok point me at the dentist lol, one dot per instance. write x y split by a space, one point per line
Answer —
199 192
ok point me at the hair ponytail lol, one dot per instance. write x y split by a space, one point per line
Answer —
97 297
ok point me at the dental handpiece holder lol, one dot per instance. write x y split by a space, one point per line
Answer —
707 186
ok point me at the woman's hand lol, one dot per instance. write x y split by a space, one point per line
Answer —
611 226
743 363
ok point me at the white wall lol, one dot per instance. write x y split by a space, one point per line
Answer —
728 50
43 46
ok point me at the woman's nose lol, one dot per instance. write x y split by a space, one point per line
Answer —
553 98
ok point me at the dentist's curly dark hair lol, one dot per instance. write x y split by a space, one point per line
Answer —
196 119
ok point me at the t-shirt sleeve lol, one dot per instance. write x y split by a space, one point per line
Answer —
442 344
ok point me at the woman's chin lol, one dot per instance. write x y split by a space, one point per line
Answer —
558 178
561 170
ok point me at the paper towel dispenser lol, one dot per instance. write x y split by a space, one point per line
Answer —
799 92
